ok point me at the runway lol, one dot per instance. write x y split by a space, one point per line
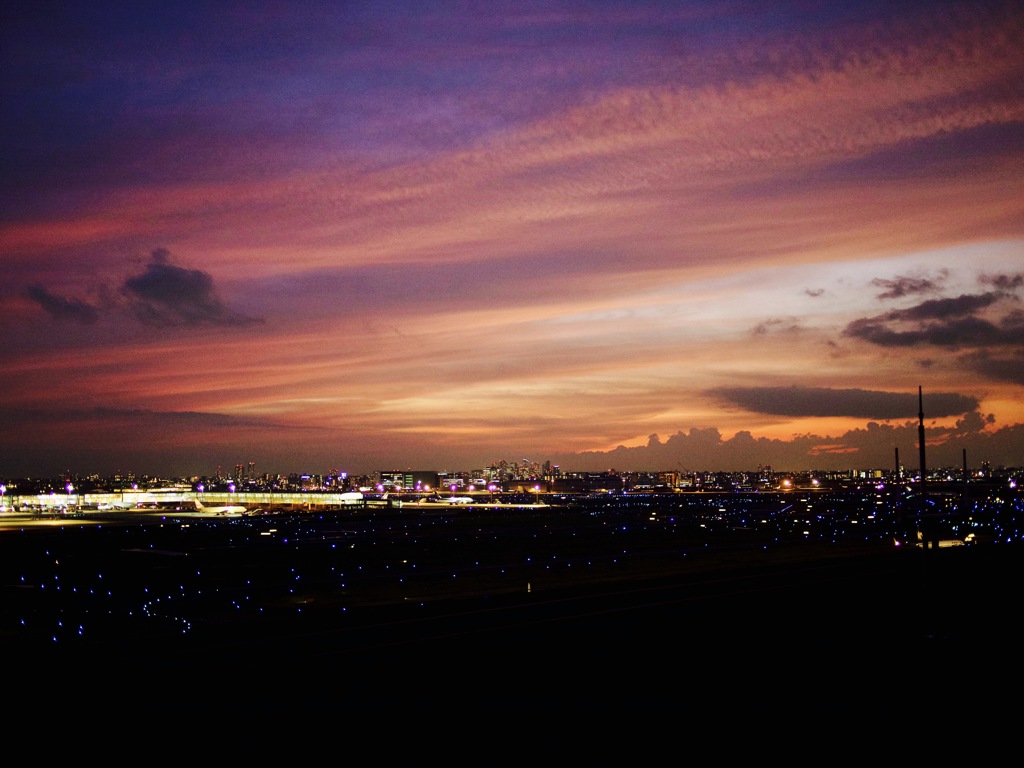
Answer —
509 612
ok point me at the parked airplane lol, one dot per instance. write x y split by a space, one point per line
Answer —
226 509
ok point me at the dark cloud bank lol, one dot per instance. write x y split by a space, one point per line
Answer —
854 403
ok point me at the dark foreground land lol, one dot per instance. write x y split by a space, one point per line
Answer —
305 613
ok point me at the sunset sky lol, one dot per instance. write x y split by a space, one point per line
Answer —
435 235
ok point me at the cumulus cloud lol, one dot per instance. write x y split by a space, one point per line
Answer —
60 308
857 403
167 295
872 445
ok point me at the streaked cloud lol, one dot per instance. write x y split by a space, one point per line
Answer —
955 322
907 286
61 308
547 229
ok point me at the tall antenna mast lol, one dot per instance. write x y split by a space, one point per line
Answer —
920 440
967 494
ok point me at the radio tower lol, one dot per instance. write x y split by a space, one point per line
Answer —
920 441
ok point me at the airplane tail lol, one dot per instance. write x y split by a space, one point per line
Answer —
199 505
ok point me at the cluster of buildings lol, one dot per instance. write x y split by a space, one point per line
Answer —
515 477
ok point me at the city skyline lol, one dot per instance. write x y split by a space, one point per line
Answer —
629 235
